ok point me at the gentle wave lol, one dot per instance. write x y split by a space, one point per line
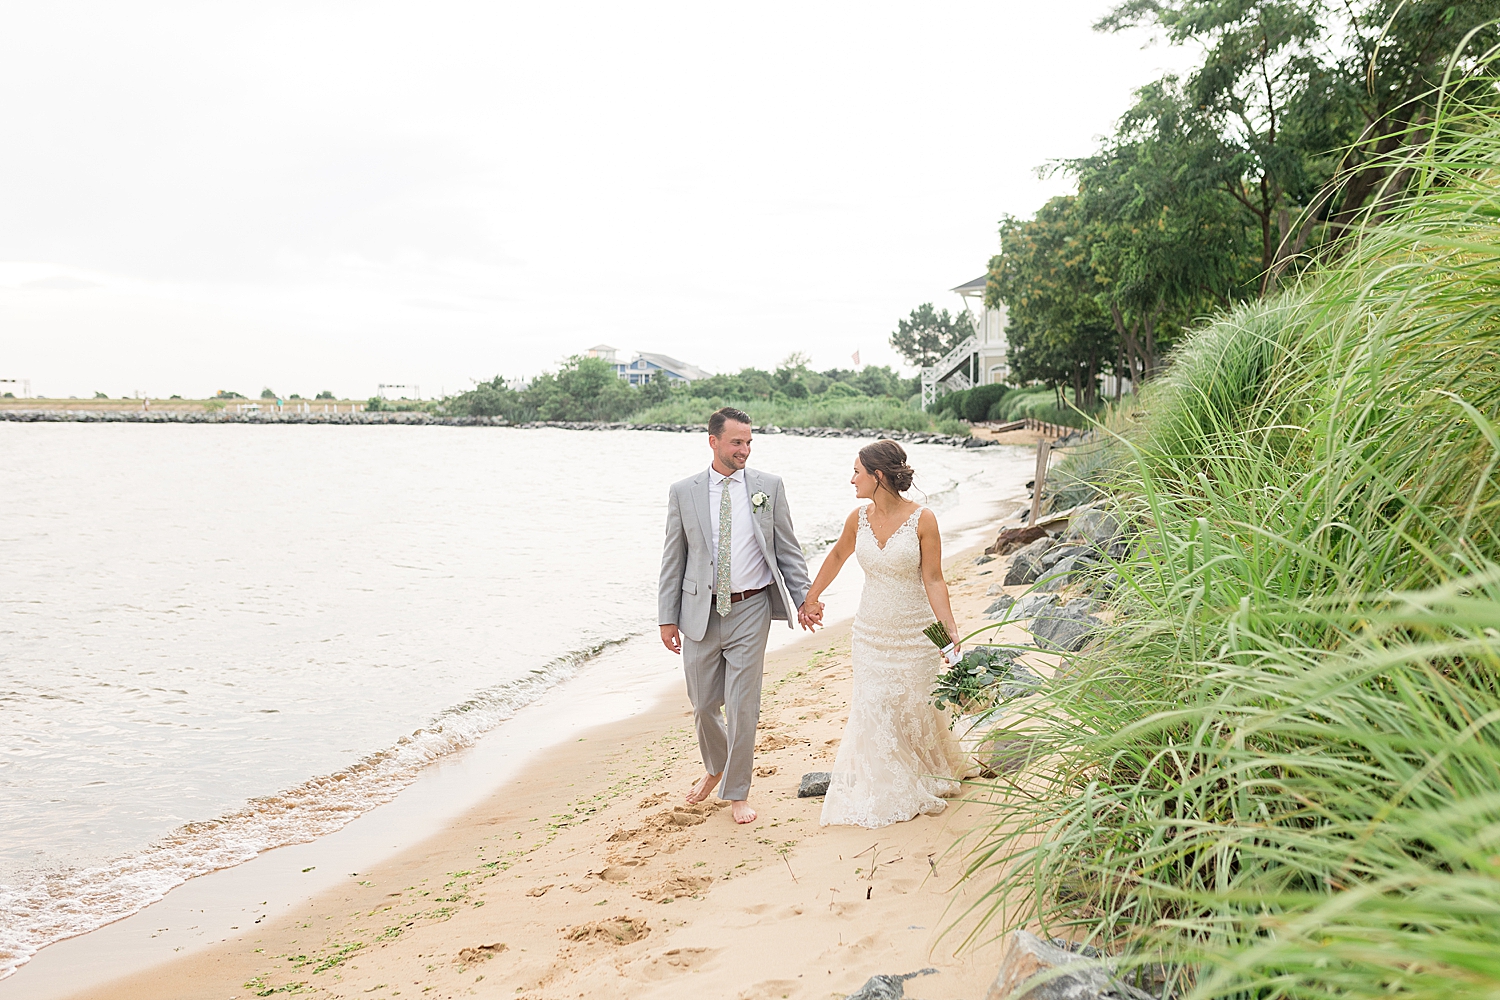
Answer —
55 905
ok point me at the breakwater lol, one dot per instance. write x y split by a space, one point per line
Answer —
409 419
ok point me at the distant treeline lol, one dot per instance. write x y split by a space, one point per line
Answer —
793 394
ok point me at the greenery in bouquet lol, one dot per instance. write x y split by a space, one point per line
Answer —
973 684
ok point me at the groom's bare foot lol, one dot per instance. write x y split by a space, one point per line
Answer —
702 789
742 811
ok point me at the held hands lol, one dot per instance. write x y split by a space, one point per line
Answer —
810 614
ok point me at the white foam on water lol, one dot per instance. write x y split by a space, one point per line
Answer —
52 906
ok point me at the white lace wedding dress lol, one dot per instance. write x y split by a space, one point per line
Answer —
898 757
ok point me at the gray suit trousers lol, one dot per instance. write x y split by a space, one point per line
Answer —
724 669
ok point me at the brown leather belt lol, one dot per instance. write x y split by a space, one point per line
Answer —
739 595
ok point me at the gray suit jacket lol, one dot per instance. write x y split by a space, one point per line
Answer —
687 575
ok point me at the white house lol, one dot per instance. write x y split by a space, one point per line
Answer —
980 359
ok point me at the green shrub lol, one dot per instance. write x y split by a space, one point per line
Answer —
978 401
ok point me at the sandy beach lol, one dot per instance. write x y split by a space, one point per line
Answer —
587 875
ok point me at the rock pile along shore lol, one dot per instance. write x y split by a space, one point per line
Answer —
382 418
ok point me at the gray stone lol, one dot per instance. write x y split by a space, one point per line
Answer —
814 784
1019 681
1079 604
1098 526
1033 969
1061 552
1026 563
887 987
1032 603
1063 630
1069 570
998 608
995 588
983 559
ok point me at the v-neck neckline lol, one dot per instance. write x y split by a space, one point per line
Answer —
871 528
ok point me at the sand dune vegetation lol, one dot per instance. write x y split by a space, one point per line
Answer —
1277 774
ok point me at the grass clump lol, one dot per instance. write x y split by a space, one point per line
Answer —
1278 772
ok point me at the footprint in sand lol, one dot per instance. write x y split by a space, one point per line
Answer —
480 953
673 962
616 930
676 884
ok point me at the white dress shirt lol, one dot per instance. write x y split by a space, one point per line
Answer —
747 564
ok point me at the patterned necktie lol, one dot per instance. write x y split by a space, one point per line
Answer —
726 512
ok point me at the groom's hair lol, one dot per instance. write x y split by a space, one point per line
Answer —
721 417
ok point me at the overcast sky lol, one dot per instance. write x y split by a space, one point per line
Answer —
314 196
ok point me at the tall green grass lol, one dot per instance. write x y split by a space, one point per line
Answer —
1277 773
865 412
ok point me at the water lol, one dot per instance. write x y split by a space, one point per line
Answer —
219 639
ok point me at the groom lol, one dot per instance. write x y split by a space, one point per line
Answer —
731 564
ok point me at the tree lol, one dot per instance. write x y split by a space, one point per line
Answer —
1058 332
659 390
491 399
583 389
1167 245
928 334
1303 103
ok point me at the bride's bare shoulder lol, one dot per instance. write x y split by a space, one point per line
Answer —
927 521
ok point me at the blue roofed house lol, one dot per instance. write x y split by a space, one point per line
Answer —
646 367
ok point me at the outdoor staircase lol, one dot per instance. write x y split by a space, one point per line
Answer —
950 373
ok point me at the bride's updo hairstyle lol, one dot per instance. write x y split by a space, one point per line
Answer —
886 461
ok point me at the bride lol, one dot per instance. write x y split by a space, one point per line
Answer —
898 757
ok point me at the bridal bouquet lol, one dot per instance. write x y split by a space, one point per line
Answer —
938 633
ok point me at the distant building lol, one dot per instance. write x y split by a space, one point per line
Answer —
645 367
603 351
980 359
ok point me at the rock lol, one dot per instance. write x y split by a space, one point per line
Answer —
1014 538
814 784
1029 605
1075 976
995 588
984 559
1080 604
887 987
1063 630
1095 525
999 606
1007 755
1060 574
1026 563
1061 552
1019 681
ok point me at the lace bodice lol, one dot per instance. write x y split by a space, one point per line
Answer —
898 756
893 598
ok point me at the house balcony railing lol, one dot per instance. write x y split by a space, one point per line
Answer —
950 373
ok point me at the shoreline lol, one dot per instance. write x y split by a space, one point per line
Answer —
580 847
97 955
402 418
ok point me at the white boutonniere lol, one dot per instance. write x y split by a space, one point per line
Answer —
760 502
